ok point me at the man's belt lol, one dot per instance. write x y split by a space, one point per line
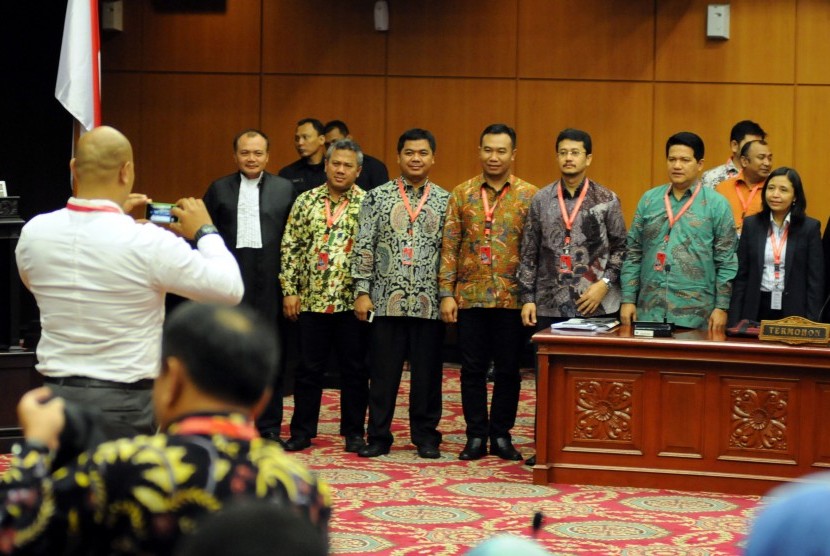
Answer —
83 382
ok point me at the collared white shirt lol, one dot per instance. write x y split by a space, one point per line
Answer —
768 276
100 278
248 232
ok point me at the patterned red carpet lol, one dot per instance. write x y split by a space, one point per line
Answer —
402 505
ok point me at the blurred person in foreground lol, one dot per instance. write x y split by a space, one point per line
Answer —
139 495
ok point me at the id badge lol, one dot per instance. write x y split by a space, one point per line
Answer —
660 261
407 255
775 300
322 260
485 254
565 263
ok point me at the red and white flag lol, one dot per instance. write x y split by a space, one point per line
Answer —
79 74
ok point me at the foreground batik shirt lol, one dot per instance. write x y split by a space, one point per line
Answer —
138 496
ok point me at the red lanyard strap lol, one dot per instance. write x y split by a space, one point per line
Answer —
78 207
488 213
672 218
413 215
338 212
777 247
570 218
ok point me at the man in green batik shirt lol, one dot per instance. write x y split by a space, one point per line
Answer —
317 248
680 259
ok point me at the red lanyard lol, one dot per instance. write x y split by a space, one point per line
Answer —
78 207
569 218
221 425
746 202
413 215
672 218
338 212
488 213
777 247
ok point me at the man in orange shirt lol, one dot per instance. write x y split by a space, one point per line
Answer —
744 190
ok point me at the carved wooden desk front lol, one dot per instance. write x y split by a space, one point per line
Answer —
693 412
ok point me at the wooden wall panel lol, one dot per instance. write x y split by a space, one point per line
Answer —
122 50
202 41
710 110
455 111
358 101
810 145
188 123
321 36
761 47
463 38
602 39
812 50
620 132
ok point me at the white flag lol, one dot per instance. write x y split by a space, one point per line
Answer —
78 87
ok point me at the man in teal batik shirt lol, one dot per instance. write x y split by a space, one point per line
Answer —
681 258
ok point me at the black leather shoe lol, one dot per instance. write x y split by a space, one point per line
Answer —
476 448
354 444
297 443
275 436
531 461
373 450
429 451
503 448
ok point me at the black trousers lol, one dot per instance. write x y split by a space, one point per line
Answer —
486 335
320 333
394 340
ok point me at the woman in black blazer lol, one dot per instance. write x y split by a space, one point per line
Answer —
782 233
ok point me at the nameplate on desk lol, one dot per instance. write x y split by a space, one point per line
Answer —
649 329
794 330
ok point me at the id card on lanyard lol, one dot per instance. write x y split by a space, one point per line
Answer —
661 258
408 252
484 251
565 259
331 222
777 249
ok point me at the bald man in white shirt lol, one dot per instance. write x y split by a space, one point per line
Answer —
100 279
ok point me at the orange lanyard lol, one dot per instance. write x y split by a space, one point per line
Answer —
413 215
746 202
777 247
570 218
214 425
488 213
672 218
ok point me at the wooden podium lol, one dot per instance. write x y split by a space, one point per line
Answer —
693 412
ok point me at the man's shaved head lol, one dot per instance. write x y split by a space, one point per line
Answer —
101 153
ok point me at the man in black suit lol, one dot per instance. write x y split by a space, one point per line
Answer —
250 208
374 172
309 170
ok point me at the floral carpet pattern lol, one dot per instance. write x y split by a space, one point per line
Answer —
401 505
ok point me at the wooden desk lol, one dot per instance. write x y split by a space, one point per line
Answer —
693 412
17 376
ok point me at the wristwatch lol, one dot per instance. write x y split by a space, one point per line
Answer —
607 281
203 231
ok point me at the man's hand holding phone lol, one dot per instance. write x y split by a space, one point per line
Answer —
191 214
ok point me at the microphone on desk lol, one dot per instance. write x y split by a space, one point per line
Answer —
667 269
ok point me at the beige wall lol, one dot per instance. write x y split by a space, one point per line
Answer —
629 72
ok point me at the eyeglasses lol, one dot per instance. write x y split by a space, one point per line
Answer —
573 152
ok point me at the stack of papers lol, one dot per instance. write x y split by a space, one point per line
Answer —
589 324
